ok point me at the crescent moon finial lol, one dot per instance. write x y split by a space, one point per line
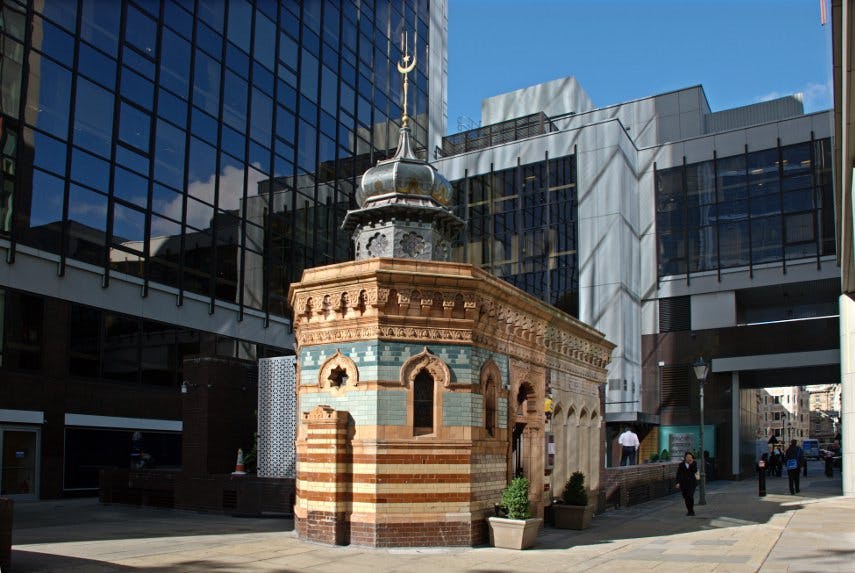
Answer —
405 66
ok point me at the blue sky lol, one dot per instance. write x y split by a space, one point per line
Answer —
741 51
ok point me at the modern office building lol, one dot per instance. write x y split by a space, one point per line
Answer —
679 232
168 168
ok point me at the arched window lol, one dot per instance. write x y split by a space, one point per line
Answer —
490 407
423 403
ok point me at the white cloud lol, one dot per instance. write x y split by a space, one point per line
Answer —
815 96
231 193
770 96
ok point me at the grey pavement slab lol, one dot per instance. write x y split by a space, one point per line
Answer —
736 532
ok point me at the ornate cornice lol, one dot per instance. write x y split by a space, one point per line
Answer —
433 302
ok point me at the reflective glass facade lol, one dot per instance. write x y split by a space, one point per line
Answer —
522 226
212 146
768 206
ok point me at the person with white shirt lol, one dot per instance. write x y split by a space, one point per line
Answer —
629 447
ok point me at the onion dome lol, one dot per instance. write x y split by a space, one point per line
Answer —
403 174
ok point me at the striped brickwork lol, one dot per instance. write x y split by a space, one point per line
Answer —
368 333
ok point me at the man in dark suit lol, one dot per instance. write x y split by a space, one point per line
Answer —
687 481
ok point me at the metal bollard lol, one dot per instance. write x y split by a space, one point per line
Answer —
761 477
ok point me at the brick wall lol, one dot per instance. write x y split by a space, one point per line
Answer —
630 485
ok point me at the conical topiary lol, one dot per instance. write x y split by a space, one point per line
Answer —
574 491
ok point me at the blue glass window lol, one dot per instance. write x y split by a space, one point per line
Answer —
128 227
265 41
240 23
137 89
50 110
131 187
175 63
262 114
169 155
134 127
172 108
93 118
46 206
166 202
90 170
100 25
55 42
96 66
206 83
48 153
235 101
141 32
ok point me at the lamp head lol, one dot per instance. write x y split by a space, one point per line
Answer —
701 369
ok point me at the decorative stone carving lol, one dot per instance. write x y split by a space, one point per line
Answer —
329 376
413 244
319 413
377 245
425 360
490 370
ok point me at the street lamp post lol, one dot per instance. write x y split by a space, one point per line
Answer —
701 370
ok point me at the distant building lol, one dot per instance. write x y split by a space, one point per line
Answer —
677 231
825 408
785 413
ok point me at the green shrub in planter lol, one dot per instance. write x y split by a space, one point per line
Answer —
515 498
665 456
654 457
574 490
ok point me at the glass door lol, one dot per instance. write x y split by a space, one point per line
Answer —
19 463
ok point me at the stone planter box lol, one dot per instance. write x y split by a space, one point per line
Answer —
7 510
514 533
572 516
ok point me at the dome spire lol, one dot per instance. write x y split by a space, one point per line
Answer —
404 202
407 65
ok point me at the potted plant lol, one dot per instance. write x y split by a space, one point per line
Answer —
519 529
573 512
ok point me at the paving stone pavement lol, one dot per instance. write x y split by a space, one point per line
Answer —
736 532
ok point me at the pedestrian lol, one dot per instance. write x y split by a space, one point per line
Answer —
777 461
795 458
687 481
629 447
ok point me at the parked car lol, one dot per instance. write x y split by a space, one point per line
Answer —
811 448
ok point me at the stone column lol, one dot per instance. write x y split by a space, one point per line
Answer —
323 477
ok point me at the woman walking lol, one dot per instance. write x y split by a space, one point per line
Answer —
687 480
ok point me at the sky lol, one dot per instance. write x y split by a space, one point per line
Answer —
741 51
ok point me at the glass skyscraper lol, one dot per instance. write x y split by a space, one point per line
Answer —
197 152
212 146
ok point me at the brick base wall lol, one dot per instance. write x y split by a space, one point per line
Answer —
429 534
629 485
336 529
324 527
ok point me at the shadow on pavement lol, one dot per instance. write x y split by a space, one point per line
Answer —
729 504
56 521
31 562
